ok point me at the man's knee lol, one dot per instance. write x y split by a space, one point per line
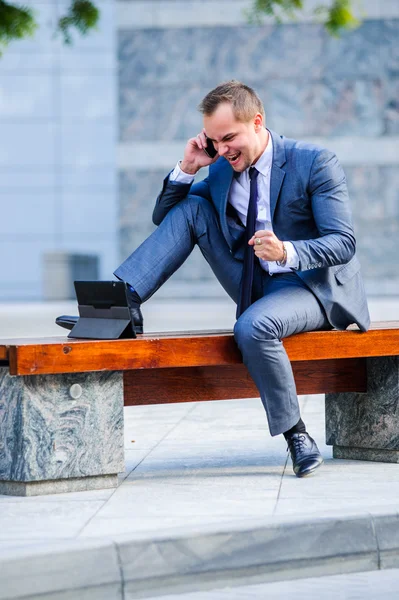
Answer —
250 330
197 205
199 213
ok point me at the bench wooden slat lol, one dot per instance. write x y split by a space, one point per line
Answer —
192 384
191 349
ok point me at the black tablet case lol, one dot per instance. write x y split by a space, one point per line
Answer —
103 311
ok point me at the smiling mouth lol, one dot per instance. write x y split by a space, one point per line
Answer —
234 157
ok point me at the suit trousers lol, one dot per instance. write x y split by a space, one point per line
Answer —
283 305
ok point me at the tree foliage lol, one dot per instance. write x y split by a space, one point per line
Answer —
337 16
82 15
18 21
15 23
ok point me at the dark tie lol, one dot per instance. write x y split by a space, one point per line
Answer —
245 299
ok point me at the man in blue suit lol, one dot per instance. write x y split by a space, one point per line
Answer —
273 221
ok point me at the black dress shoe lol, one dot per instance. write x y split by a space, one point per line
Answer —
135 311
137 318
305 454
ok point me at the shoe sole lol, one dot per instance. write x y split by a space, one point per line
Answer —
309 471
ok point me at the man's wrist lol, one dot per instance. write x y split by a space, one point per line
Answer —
291 259
283 261
178 176
188 168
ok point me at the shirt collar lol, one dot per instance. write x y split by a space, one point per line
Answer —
263 164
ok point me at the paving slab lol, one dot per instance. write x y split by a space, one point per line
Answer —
355 586
64 569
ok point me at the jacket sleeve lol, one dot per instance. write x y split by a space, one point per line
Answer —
332 215
172 192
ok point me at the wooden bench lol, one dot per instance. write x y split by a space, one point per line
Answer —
61 400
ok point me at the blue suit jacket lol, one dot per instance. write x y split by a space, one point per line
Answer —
309 206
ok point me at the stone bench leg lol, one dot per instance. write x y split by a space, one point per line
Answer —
366 426
60 433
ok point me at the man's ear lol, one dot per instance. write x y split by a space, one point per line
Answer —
258 122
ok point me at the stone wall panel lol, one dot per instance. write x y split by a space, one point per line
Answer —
365 52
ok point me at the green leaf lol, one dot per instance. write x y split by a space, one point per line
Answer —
340 18
16 23
275 8
82 15
336 17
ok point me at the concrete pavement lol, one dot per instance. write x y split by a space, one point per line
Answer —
356 586
208 501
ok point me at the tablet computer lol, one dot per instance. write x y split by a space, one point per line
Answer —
103 311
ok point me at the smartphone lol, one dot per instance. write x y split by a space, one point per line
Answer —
210 149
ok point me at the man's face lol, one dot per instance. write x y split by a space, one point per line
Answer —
240 143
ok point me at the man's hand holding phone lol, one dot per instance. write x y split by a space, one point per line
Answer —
198 153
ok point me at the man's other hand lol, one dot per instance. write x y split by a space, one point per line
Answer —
267 246
194 156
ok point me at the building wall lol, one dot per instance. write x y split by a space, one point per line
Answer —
58 135
340 93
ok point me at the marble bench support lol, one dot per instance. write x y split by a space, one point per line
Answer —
366 426
60 433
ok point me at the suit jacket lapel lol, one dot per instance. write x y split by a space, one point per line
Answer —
225 177
277 174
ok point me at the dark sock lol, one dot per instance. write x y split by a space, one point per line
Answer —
298 428
134 295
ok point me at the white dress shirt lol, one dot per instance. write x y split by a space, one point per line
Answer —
239 198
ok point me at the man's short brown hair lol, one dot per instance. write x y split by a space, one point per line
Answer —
244 100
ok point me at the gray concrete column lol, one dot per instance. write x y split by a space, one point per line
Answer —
366 426
60 433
